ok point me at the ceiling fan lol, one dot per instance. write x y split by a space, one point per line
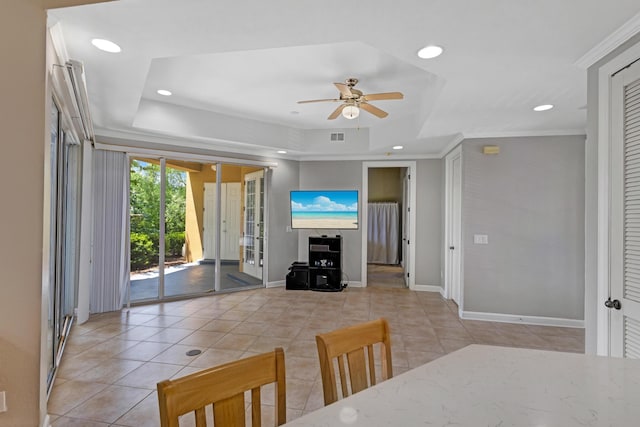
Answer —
353 100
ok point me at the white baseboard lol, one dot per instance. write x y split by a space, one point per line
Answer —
276 284
526 320
429 288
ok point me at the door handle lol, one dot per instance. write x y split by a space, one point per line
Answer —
613 304
451 247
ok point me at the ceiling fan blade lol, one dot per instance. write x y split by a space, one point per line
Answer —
344 90
374 110
336 112
383 96
319 100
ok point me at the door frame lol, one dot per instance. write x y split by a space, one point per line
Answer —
454 154
411 166
605 129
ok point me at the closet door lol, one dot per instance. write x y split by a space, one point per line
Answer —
624 301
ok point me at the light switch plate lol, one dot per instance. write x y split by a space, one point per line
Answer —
481 239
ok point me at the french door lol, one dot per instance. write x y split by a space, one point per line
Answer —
253 223
624 300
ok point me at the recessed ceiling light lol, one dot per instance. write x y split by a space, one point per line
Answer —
544 107
164 92
429 52
398 147
282 152
106 45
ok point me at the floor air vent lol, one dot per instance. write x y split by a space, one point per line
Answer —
337 136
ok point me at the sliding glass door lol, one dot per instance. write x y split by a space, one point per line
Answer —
65 165
187 228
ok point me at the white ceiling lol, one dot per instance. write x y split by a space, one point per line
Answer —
238 68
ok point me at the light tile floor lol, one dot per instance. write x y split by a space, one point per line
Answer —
112 363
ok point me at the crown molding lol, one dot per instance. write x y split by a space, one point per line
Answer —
365 157
606 46
518 134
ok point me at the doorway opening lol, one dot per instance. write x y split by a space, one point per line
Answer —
388 219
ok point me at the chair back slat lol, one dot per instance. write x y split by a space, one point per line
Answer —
372 371
256 412
201 417
343 375
357 370
352 342
229 411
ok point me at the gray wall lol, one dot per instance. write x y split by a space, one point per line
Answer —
591 200
529 200
429 222
334 175
283 245
338 175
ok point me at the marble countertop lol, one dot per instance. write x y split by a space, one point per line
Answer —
496 386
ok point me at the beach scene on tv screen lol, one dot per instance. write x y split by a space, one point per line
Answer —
324 209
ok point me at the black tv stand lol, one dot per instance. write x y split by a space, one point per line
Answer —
325 264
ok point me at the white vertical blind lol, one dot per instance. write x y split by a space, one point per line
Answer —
110 272
631 287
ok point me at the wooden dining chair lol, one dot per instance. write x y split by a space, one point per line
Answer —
355 343
224 387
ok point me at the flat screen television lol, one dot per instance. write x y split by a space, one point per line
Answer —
324 209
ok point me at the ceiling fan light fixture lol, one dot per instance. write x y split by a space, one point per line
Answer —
106 45
429 52
350 112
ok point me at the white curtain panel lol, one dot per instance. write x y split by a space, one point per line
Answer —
110 260
383 233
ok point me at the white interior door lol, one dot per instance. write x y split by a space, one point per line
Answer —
209 221
406 225
253 238
456 220
453 227
230 244
624 297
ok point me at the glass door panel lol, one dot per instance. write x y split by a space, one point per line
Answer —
144 200
184 275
